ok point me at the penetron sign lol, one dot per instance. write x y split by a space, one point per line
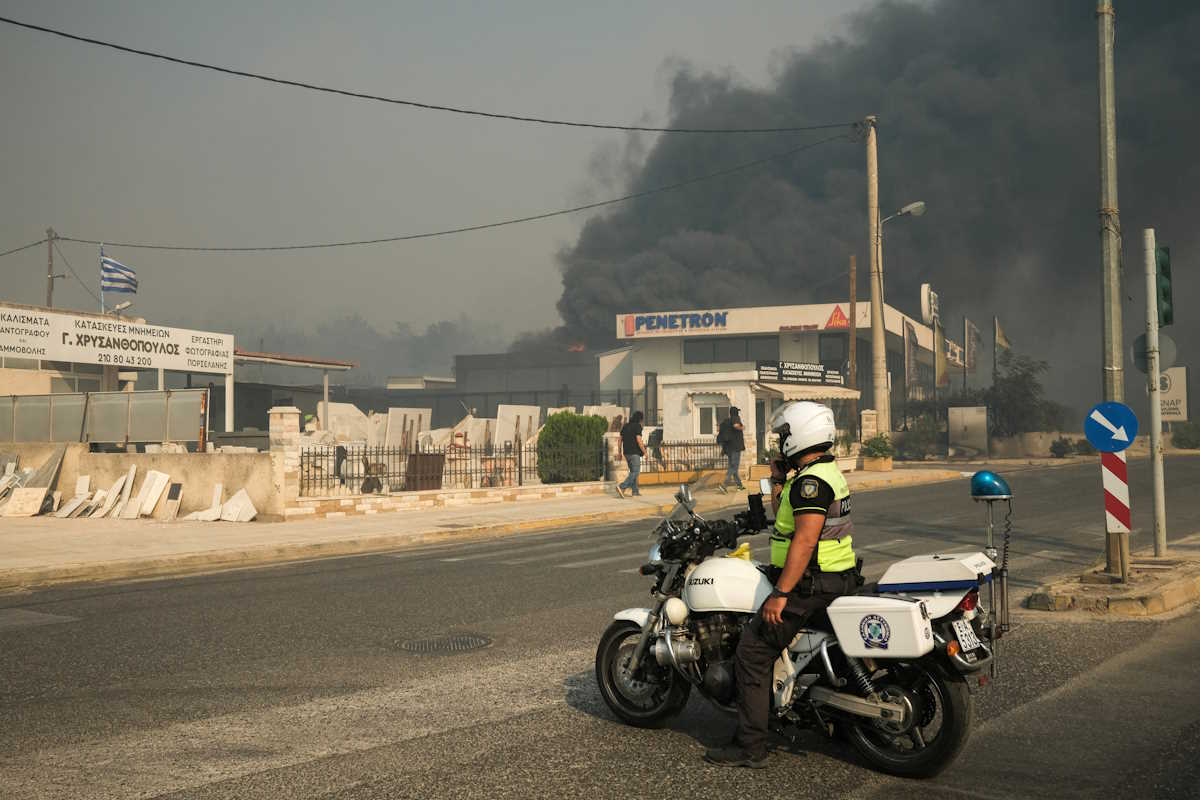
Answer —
799 373
111 341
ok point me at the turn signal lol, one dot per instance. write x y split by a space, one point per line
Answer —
952 649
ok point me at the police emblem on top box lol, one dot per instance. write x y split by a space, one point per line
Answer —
875 631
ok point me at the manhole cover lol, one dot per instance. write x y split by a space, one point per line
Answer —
446 644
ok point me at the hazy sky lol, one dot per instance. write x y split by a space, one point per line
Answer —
106 145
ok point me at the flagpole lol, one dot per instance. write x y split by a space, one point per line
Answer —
966 353
101 277
995 346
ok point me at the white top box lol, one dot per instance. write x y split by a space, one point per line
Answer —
937 572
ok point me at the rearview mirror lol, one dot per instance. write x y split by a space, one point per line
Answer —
764 486
684 496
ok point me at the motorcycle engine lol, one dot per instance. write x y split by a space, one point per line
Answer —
717 634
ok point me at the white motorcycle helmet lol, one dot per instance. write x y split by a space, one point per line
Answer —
802 425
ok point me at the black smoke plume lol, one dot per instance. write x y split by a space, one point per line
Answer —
988 112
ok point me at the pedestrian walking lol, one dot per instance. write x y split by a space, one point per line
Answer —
733 442
633 448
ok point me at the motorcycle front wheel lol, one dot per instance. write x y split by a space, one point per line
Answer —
645 700
932 738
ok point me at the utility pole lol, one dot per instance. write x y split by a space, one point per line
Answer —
1110 236
879 385
1152 378
49 267
853 376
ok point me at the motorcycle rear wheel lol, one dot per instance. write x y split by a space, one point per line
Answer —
943 710
644 702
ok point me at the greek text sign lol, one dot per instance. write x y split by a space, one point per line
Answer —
111 341
794 372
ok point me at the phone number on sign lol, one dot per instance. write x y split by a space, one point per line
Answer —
124 360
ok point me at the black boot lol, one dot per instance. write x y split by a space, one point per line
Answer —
735 756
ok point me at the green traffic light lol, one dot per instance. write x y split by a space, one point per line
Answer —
1166 305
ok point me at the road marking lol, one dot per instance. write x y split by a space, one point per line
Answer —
186 755
518 548
588 548
20 618
591 562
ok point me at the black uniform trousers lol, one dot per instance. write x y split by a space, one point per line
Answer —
761 643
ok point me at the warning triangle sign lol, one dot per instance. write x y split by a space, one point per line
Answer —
837 319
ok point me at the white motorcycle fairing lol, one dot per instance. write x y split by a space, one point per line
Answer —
940 579
638 616
726 584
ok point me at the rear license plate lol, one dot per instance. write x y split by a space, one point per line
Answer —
966 635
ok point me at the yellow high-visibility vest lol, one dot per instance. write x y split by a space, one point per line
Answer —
835 548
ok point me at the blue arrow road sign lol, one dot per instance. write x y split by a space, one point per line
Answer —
1110 427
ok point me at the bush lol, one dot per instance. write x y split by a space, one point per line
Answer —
1084 448
571 448
1186 435
922 438
1061 446
879 446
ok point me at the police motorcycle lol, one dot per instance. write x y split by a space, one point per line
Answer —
888 669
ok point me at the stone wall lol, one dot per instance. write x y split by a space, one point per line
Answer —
198 472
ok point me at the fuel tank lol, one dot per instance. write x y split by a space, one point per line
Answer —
726 584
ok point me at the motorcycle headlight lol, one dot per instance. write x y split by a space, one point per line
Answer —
655 554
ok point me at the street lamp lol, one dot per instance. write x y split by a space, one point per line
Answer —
119 307
878 335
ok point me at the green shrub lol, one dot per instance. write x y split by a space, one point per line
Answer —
879 446
1186 435
1061 446
1084 448
922 438
571 448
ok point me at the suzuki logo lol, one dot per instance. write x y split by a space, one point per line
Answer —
700 582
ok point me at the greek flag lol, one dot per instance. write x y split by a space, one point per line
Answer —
116 277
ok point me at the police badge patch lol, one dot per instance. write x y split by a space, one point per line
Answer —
808 488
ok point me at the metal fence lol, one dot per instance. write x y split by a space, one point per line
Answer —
329 470
174 415
683 456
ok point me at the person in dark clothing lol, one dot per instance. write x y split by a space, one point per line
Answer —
633 448
732 439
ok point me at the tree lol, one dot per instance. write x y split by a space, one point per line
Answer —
1017 403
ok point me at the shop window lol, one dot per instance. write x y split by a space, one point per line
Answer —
763 348
709 419
833 348
730 350
698 351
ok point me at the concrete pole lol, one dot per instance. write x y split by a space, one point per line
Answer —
325 415
49 267
878 339
1113 378
229 403
162 379
852 378
1152 383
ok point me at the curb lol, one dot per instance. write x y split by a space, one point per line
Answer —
269 555
1167 597
182 564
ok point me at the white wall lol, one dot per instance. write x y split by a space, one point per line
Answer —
803 347
616 370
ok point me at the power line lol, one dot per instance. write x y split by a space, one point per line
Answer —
86 288
23 247
413 103
431 234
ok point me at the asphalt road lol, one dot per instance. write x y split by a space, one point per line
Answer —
295 680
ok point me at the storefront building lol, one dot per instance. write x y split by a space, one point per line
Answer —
686 369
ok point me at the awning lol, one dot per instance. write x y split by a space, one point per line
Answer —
794 391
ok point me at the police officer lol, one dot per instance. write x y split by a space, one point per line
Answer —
812 562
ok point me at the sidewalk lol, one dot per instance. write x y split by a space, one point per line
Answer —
41 551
